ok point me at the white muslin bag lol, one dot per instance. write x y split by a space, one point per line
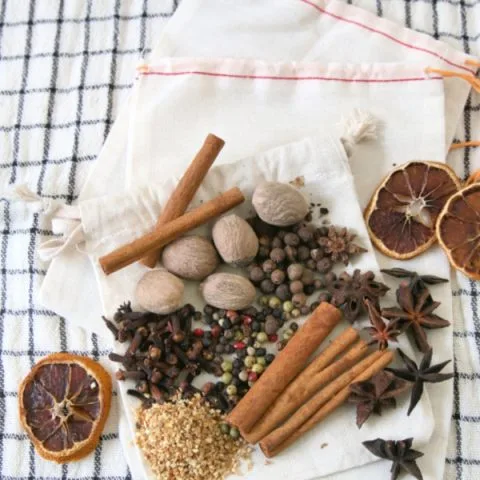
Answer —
311 30
321 160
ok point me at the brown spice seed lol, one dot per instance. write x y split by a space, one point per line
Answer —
183 440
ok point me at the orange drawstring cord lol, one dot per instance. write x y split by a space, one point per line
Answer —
471 79
143 68
473 63
455 146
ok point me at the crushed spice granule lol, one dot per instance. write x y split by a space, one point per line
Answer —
183 440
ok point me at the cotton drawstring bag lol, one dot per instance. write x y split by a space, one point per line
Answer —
314 30
109 221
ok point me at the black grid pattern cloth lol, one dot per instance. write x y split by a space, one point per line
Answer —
65 68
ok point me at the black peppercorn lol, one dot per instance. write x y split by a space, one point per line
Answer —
318 284
314 305
293 326
269 357
267 286
260 352
237 363
219 348
317 254
277 312
311 264
256 326
309 289
307 277
206 342
281 234
229 334
264 240
283 292
223 340
229 349
305 310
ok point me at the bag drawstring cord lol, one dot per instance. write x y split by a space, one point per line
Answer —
470 78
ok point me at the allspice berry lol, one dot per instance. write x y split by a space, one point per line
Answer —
277 276
296 287
158 291
279 204
228 291
235 239
191 257
295 271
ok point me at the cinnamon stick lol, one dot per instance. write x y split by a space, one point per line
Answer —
289 362
186 188
131 252
317 410
300 390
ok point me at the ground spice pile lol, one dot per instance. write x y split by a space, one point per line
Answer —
184 440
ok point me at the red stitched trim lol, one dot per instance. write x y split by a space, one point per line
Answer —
271 77
386 35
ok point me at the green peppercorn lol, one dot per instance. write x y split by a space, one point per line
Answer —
231 390
249 361
227 366
225 428
263 300
296 313
238 335
262 337
288 306
274 302
258 368
261 361
234 433
226 378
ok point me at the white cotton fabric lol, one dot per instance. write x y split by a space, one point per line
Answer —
310 30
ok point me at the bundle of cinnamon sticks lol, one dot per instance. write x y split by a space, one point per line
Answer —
290 398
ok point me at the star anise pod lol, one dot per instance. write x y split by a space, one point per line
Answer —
339 246
425 373
403 273
350 291
400 453
375 394
416 314
381 332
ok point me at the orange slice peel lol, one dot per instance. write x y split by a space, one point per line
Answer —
63 404
402 214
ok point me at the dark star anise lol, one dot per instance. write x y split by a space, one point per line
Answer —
416 314
381 331
339 246
375 394
400 453
425 373
350 291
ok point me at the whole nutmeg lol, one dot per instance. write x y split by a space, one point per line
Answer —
279 204
192 257
159 291
235 240
228 291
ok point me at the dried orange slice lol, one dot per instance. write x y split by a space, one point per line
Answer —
403 211
64 402
458 230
